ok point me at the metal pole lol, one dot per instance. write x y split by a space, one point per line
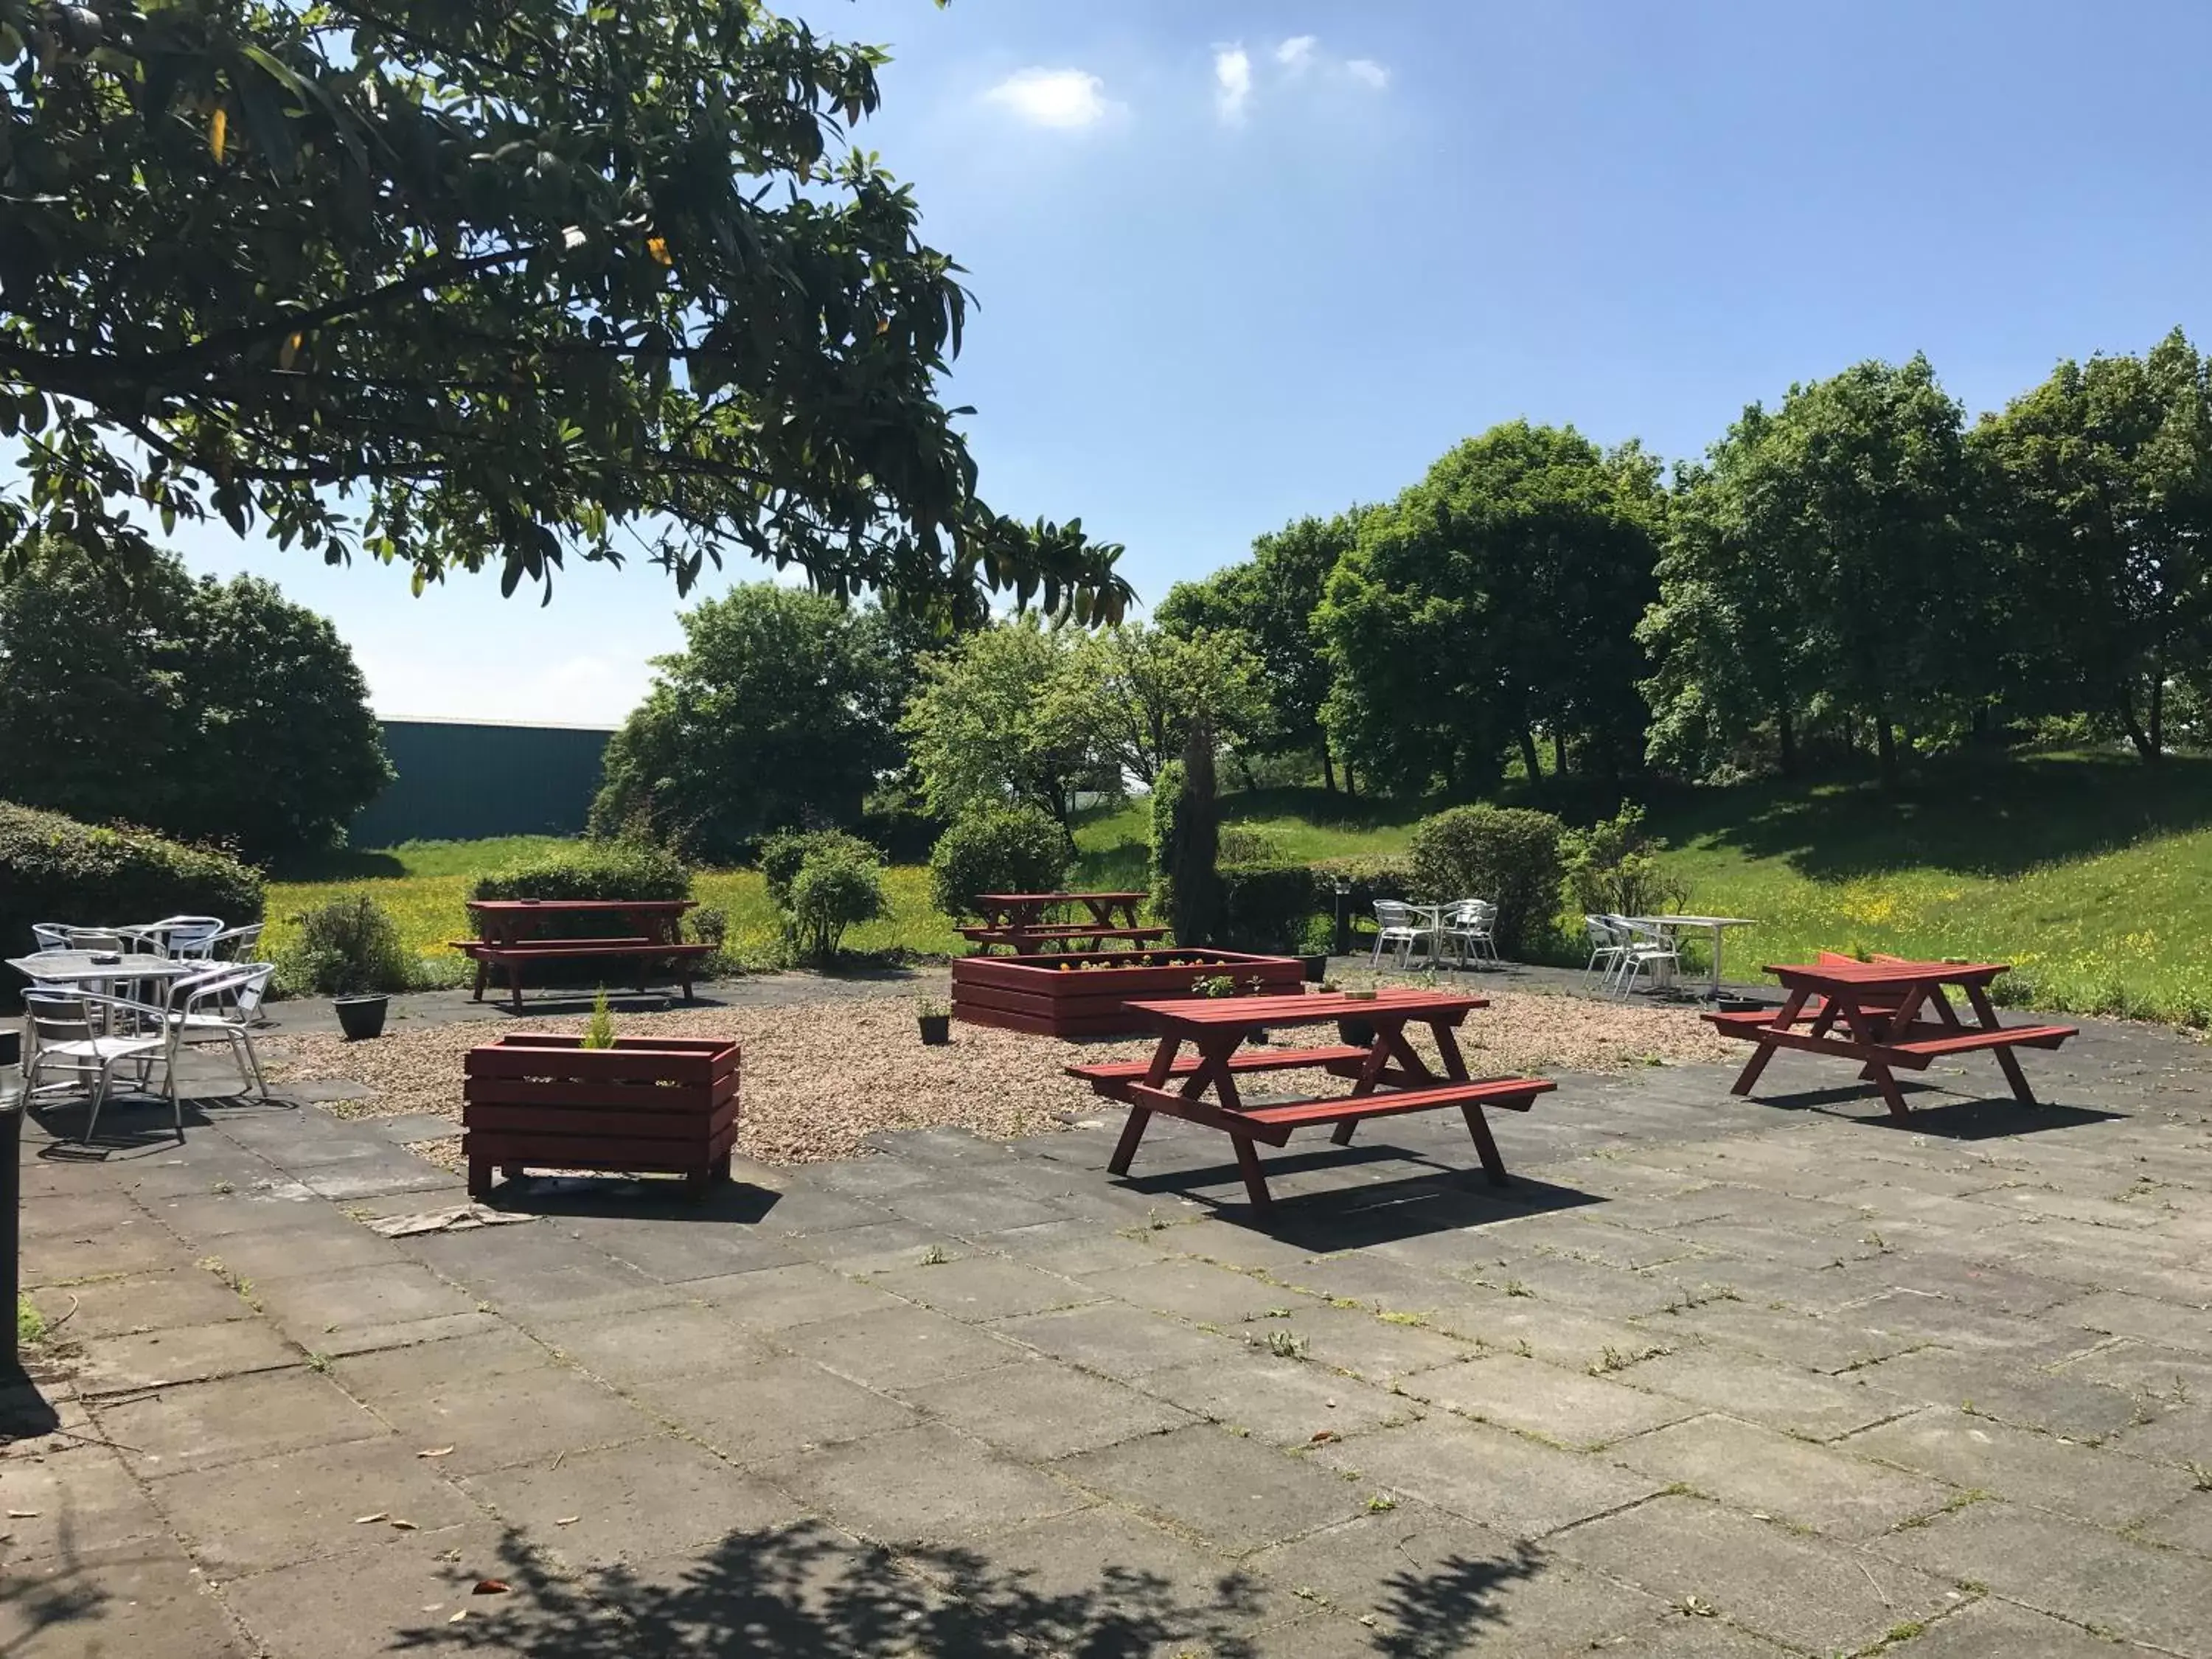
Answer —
12 1100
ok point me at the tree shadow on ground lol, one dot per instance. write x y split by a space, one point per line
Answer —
807 1589
1980 818
340 864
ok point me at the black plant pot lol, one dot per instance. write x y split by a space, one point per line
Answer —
1358 1033
360 1017
1315 968
936 1029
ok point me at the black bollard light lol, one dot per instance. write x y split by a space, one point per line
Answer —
1343 917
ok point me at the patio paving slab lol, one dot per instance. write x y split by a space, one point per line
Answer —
1765 1472
901 1347
783 1298
1116 1339
202 1424
1040 1411
1569 1408
1994 1629
985 1287
923 1486
1235 1493
1977 1453
651 1345
1504 1481
1284 1402
129 1600
774 1407
1785 1397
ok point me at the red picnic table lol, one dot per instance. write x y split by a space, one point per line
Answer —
517 932
1389 1076
1883 1014
1022 920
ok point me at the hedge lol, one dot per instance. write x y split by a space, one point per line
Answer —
591 870
54 869
1511 855
1001 849
1265 906
1371 877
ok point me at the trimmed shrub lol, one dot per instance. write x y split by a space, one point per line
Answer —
1265 906
1370 877
1613 867
1240 844
902 833
781 856
1510 855
1004 849
54 869
591 870
835 887
348 947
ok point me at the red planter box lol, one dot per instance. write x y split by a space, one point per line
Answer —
1039 994
661 1105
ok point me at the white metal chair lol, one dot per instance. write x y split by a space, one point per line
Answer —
1468 925
1644 951
184 937
217 1006
235 944
1605 953
60 936
1399 926
69 1040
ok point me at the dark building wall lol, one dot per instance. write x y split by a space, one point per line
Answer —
465 780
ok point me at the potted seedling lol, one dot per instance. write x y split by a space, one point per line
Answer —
1313 946
935 1019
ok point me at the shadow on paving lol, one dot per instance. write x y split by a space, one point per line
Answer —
1995 1117
613 1197
131 1123
806 1589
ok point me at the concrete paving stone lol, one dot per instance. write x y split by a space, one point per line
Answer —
537 1273
2071 1571
202 1424
652 1344
1680 1635
2186 1525
193 1353
1829 1289
1994 1629
1430 1581
142 1301
1979 1453
1608 1292
1040 1409
1777 1244
1776 1475
802 1209
479 1357
1284 1402
272 1512
1235 1244
2067 1205
402 1598
1923 1316
1100 1580
374 1305
131 1600
1785 1397
1979 1283
680 1254
969 1206
1816 1342
2174 1376
901 1347
1115 1340
1528 1325
872 1175
980 1287
784 1298
83 1501
1569 1408
1235 1493
1574 1234
394 1171
2179 1435
1196 1290
61 1259
924 1485
651 1498
264 1256
1373 1281
2019 1394
2170 1325
1503 1480
1364 1342
490 1428
1073 1249
882 1246
774 1407
86 1214
1806 1592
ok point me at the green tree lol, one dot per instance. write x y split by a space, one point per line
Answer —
1137 691
213 711
998 718
2105 476
779 712
1270 599
452 285
1493 601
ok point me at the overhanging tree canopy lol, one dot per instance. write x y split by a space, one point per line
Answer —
454 285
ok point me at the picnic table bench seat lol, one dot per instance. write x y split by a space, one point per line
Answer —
513 954
1248 1059
1273 1121
1059 935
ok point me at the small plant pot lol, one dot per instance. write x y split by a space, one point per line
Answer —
1739 1005
1316 969
1358 1033
936 1029
361 1017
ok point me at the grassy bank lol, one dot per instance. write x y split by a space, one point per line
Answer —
2092 874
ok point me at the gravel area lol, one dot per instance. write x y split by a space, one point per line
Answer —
819 1077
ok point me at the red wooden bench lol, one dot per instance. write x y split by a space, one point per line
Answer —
644 953
1019 938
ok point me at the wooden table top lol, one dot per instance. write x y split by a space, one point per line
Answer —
1059 898
525 907
1311 1009
1884 974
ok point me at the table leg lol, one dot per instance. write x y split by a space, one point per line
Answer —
515 982
1247 1165
1714 994
483 969
2008 1062
1125 1148
1862 1029
1486 1147
1782 1021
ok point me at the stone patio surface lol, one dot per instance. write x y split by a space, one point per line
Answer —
1712 1378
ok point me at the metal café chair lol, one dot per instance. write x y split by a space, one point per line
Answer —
70 1041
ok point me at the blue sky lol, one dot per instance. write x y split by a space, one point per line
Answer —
1237 262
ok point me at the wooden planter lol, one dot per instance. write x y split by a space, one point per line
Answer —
661 1105
1055 996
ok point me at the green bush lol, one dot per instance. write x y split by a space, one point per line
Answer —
781 855
1510 855
1371 877
1265 906
1317 936
1240 844
54 869
1612 868
348 947
591 870
1007 850
835 887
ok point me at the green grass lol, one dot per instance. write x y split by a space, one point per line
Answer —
30 1325
2092 874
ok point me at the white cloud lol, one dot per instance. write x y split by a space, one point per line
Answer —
1367 72
1295 53
1054 98
1232 78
